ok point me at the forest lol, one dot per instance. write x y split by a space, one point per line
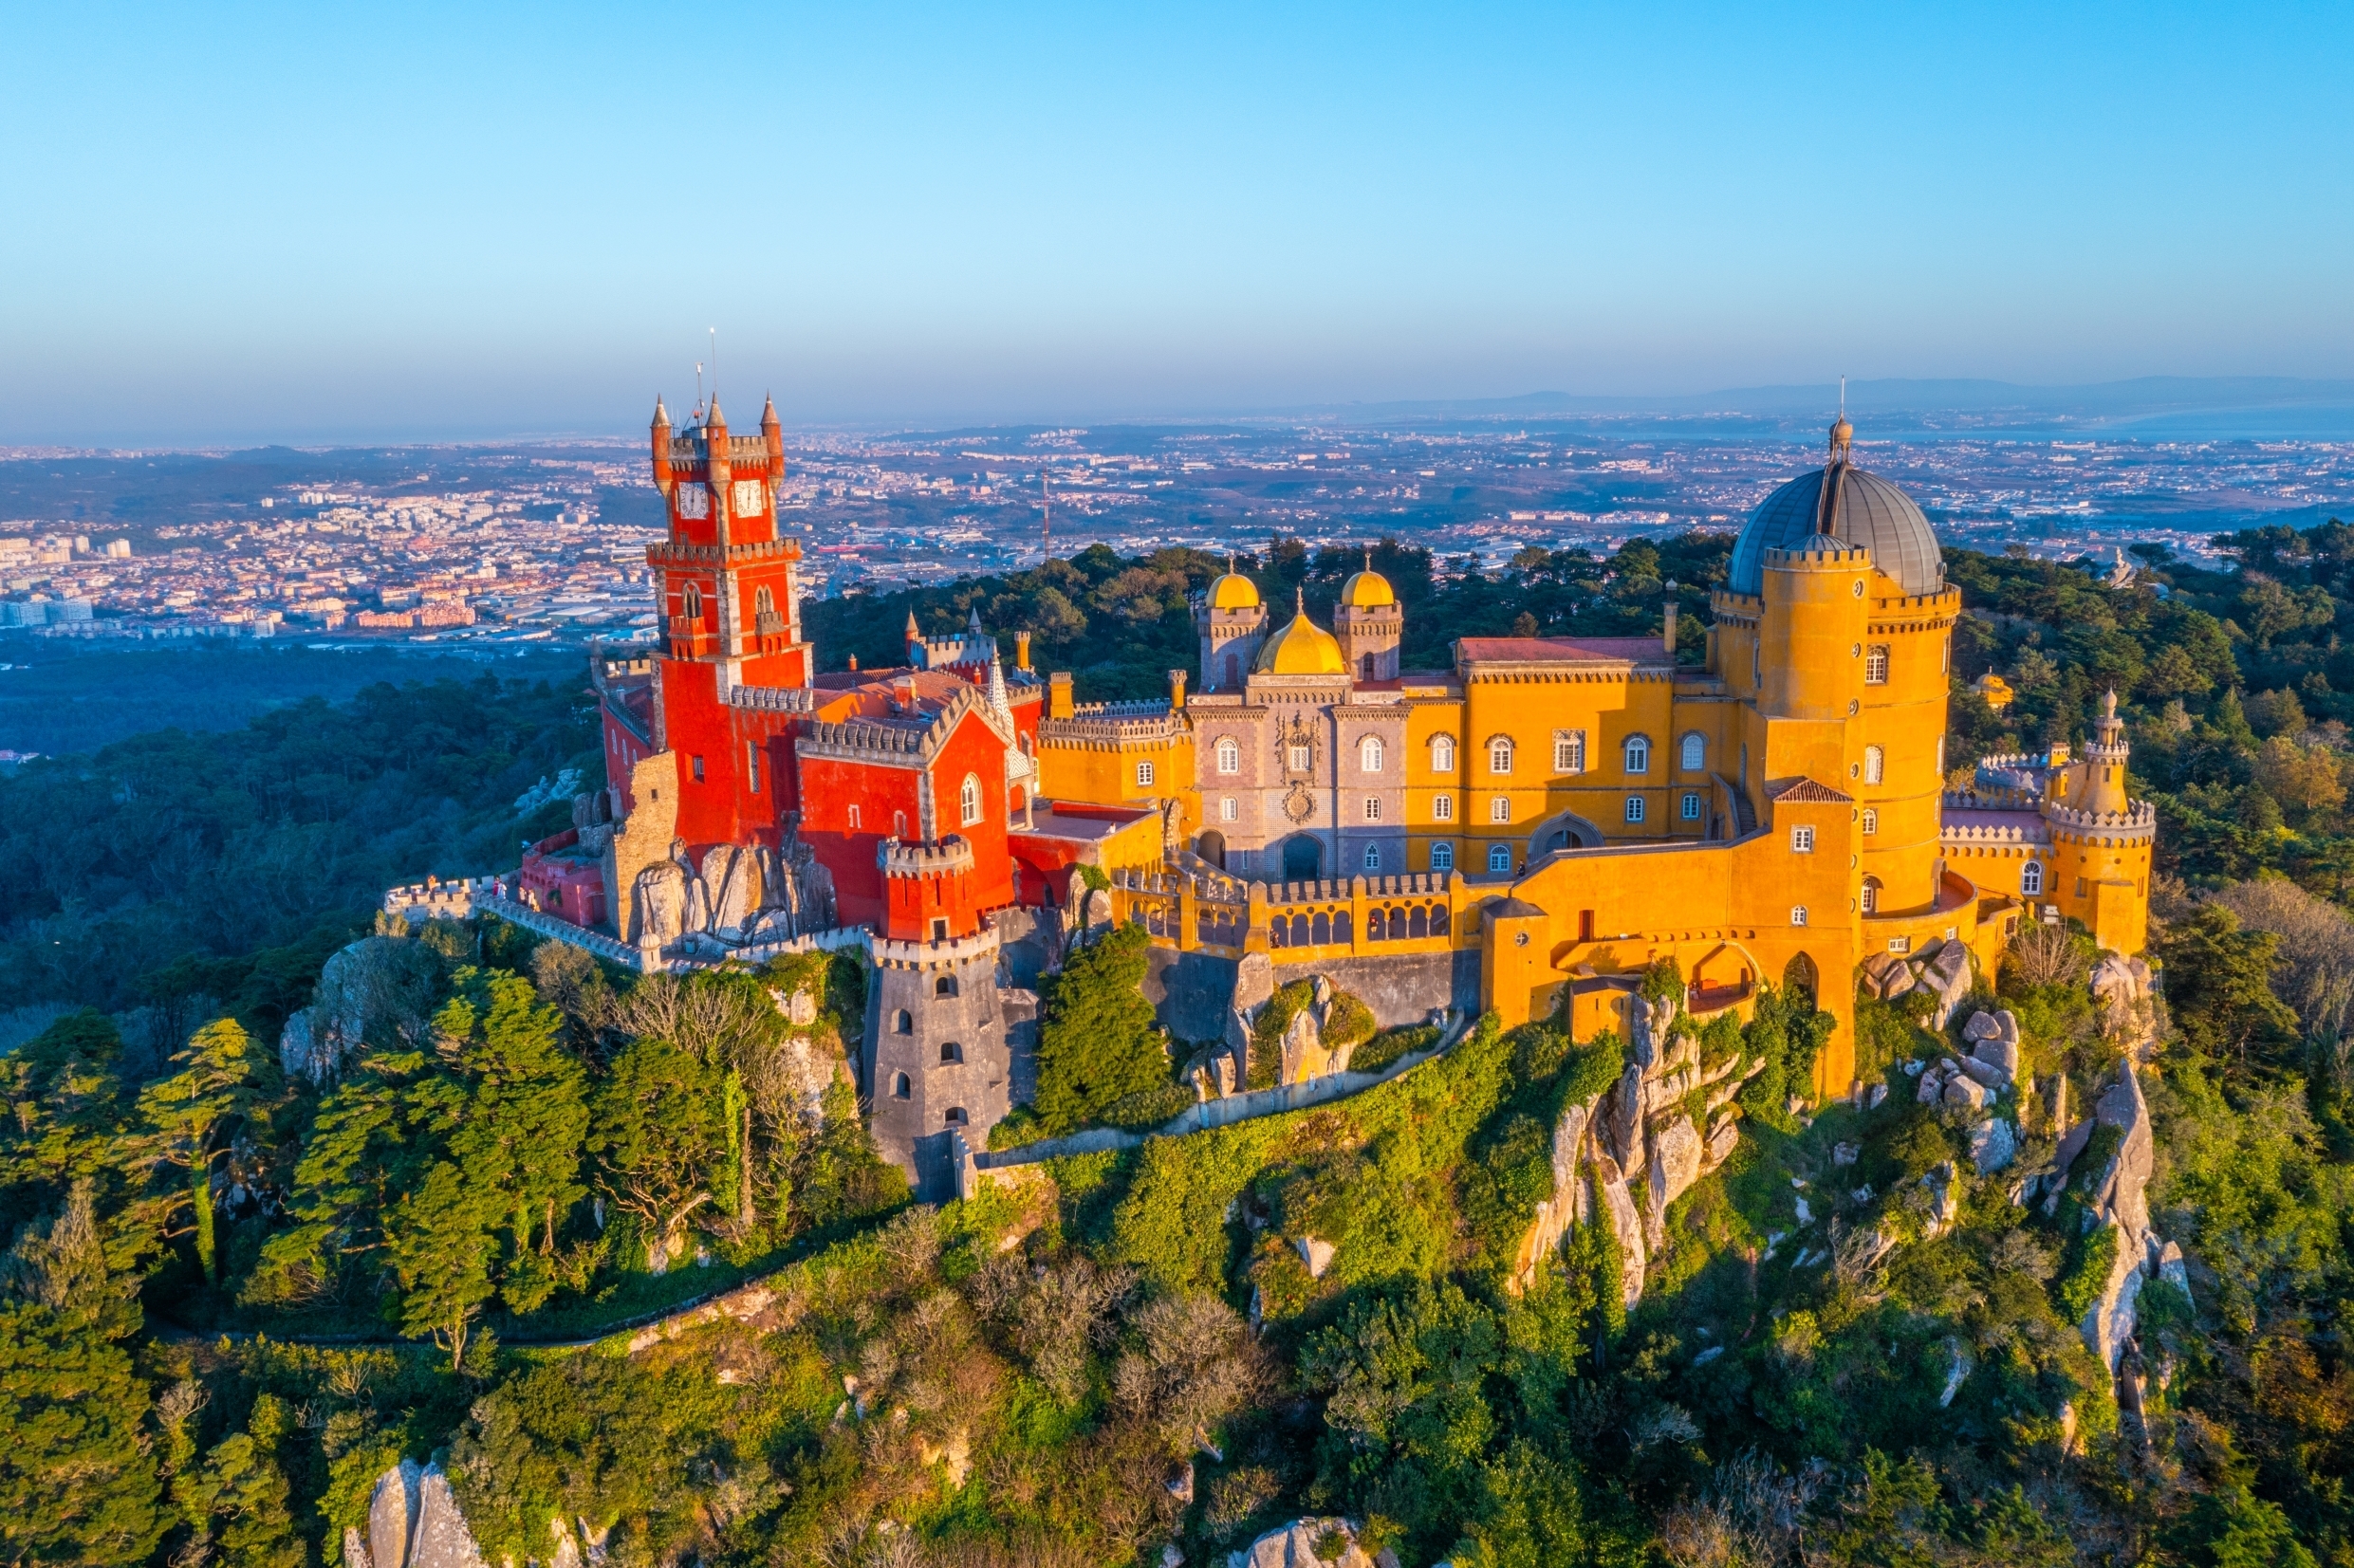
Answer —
237 1289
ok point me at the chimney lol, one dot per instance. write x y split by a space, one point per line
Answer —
1021 650
903 693
1670 634
1176 690
1059 694
854 664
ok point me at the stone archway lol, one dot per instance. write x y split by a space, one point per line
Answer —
1303 858
1211 846
1564 830
1799 975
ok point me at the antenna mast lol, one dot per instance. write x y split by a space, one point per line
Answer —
1046 512
715 365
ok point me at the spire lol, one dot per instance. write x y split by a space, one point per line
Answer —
716 420
913 631
999 702
1299 601
662 414
768 414
973 622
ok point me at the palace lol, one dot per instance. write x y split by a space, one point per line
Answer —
1528 830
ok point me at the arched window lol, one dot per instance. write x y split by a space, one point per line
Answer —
950 1051
764 602
1568 750
1695 754
1443 857
944 986
1499 857
1443 754
1692 805
969 799
1373 857
1369 754
1876 665
956 1115
2031 879
1639 754
1443 809
1871 895
1500 809
900 1087
1875 765
691 601
904 1023
1500 754
1230 756
1871 821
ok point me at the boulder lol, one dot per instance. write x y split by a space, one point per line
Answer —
1958 1368
442 1539
1987 1074
2109 1321
1946 977
1615 1207
2172 1270
1966 1092
1944 1199
1981 1027
1723 1135
1180 1486
392 1514
1878 1097
1932 1087
1997 1052
567 1553
1994 1144
1675 1155
1295 1545
1098 911
1316 1253
355 1548
2121 1194
1304 1053
1620 1126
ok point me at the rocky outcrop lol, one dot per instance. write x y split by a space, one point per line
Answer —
1944 975
1567 1206
2118 1198
1676 1157
1614 1207
1309 1543
2124 995
378 990
414 1521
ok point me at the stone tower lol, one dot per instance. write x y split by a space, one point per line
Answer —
1369 623
937 1062
1233 622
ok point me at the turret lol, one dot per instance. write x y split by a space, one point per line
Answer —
2105 762
661 449
915 639
772 435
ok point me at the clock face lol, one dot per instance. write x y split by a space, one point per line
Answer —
693 501
749 497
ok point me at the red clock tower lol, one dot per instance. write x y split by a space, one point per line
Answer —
728 590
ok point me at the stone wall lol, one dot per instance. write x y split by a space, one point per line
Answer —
1190 991
1402 989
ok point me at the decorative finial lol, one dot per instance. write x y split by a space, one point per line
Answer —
1299 601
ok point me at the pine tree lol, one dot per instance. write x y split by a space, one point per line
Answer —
77 1485
238 1502
223 1074
660 1138
439 1239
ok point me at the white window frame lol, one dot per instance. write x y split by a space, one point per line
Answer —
1871 821
1230 755
1568 750
1635 808
1500 755
1144 775
1500 808
969 802
1636 754
1875 765
1871 895
1443 754
1876 664
1798 915
1443 809
1373 808
1228 809
2032 880
1300 759
1369 754
1693 756
1802 839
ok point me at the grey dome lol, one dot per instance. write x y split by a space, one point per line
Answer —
1870 511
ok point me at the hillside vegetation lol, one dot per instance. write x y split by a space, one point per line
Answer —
234 1295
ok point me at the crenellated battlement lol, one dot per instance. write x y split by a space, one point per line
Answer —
903 858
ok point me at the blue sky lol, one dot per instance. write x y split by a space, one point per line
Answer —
345 223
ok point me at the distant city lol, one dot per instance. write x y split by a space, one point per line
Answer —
502 545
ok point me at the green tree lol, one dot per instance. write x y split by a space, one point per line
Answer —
441 1248
223 1073
77 1484
1097 1042
659 1136
238 1502
2218 987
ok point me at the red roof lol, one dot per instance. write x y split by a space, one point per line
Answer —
1561 650
1808 792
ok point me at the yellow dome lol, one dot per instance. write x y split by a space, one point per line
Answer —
1234 591
1302 648
1367 590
